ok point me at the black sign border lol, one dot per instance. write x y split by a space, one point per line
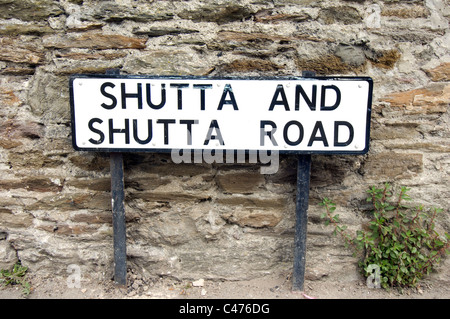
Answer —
182 77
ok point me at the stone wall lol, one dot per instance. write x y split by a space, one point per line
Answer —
218 221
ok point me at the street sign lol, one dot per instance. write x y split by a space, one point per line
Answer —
328 115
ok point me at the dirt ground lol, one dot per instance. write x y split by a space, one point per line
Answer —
270 287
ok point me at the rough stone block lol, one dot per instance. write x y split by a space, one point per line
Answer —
343 14
25 29
249 65
8 219
15 50
439 73
217 12
94 40
8 256
112 12
255 218
390 165
48 96
431 99
168 62
29 10
34 184
240 182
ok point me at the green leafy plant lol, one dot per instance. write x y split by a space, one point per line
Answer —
16 277
400 240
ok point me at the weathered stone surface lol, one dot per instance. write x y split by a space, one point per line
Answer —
110 11
8 256
93 218
101 184
76 201
49 97
217 12
351 55
253 44
254 218
145 183
437 147
86 67
206 259
240 182
421 37
169 197
394 131
75 23
431 99
16 129
249 65
167 62
34 184
385 59
344 14
17 70
96 55
90 162
391 165
439 73
14 50
173 230
325 65
94 40
8 219
68 230
33 160
8 97
252 202
329 170
25 29
405 11
157 32
268 16
137 164
29 10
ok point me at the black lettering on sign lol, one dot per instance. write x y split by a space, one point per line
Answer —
166 129
300 133
323 107
214 126
149 97
202 88
227 91
97 131
126 95
336 133
310 102
321 138
189 129
108 95
267 133
113 131
179 87
279 91
149 134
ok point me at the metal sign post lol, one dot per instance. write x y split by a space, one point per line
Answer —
301 214
301 220
118 213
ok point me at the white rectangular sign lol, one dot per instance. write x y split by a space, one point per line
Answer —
292 115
